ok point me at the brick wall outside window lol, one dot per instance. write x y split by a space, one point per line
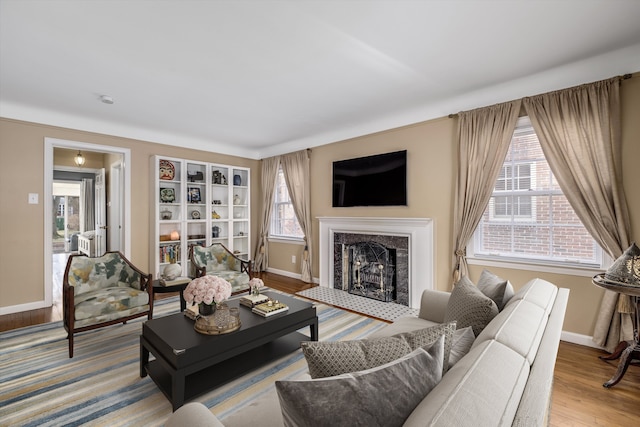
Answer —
528 216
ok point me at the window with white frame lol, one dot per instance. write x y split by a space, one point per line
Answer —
512 198
284 223
528 217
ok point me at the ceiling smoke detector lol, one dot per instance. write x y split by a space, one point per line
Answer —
106 99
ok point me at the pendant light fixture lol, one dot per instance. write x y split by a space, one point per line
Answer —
79 159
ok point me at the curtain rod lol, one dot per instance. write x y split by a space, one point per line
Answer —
623 77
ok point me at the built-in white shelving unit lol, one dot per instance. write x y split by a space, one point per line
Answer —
197 203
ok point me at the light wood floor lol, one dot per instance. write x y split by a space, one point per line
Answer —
579 399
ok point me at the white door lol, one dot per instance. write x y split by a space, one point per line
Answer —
101 214
115 208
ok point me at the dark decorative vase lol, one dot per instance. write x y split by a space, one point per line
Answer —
237 180
206 309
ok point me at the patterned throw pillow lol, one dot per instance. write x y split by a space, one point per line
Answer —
470 307
330 358
496 288
363 398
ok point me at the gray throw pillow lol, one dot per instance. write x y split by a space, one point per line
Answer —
329 358
496 288
363 398
462 341
470 307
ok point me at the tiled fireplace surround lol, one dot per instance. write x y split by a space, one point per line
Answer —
412 234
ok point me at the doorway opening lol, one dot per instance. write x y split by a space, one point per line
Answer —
74 215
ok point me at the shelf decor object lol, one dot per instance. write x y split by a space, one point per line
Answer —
167 170
167 195
194 195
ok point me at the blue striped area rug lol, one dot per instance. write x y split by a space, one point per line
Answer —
101 385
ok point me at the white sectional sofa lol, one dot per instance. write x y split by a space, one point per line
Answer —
505 379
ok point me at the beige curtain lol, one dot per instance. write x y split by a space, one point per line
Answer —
295 167
269 175
579 131
484 136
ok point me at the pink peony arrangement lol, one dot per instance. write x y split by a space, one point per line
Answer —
255 284
207 290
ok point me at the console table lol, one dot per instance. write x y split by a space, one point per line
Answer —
626 350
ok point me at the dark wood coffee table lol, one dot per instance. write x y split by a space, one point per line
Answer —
188 363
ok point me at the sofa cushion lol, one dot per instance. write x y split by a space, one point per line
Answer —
461 344
482 389
193 414
496 288
106 301
362 398
469 307
329 358
539 292
519 326
402 324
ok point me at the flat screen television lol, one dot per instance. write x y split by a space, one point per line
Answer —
379 180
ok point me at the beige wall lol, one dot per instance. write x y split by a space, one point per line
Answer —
431 185
22 224
431 179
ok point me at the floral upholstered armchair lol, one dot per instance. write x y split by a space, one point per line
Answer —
103 291
217 260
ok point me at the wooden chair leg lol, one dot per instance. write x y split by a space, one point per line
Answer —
70 337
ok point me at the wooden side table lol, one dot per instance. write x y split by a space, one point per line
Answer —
160 289
626 350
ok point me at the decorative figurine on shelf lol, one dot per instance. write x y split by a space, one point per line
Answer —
236 199
166 214
224 180
215 215
217 177
237 180
195 177
215 231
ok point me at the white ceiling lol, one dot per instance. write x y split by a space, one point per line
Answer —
259 78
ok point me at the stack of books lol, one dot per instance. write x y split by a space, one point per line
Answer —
253 300
174 282
270 308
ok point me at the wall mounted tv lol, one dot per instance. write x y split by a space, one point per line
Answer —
379 180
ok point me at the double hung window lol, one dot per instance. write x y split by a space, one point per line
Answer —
528 218
284 223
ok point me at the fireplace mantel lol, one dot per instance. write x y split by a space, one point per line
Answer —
418 230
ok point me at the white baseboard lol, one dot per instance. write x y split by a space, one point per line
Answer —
316 280
579 339
23 307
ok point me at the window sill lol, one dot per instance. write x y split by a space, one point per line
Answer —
570 270
286 239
